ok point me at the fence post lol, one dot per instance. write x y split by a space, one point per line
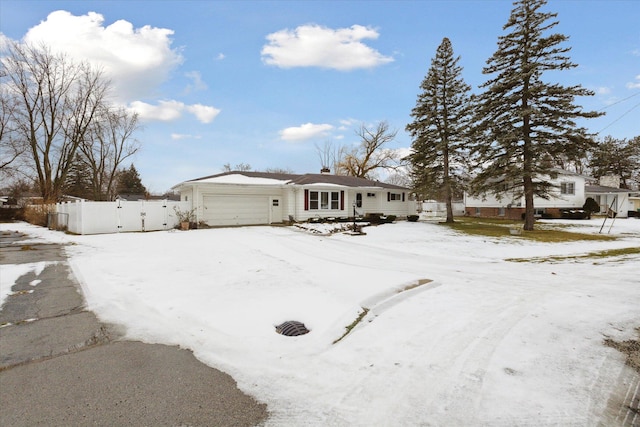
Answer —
81 216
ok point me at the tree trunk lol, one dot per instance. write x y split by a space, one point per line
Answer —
529 217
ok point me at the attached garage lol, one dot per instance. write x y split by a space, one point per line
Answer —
236 210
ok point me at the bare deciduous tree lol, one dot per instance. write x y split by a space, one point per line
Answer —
328 156
240 167
370 155
106 146
55 101
10 147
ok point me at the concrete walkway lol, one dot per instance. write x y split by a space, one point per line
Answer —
60 366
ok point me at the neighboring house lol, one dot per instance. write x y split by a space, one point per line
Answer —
634 203
568 193
610 197
251 198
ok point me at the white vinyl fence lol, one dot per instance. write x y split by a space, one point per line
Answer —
83 217
439 210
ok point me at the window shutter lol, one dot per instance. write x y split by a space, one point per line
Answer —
403 197
306 200
388 196
342 200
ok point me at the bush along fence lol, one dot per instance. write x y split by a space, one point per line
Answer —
84 217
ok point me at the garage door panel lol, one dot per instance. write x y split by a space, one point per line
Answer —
236 210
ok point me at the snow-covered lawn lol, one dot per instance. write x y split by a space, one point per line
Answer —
486 342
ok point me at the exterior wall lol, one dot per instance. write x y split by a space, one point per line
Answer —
84 217
508 213
302 214
514 206
373 201
618 202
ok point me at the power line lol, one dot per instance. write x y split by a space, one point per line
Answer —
618 102
624 114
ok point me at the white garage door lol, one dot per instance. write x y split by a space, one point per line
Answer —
236 210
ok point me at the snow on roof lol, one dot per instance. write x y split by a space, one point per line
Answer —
267 178
240 179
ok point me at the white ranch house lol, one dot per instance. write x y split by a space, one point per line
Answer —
254 198
571 190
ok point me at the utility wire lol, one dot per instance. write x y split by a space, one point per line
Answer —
624 114
618 102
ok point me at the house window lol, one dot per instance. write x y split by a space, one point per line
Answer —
501 211
324 200
358 200
335 200
477 211
395 196
568 188
275 202
313 200
371 194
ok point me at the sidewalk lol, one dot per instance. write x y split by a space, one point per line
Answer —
60 366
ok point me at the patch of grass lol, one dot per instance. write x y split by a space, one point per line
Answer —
631 348
353 324
609 253
491 227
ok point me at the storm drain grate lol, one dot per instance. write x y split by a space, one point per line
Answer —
292 328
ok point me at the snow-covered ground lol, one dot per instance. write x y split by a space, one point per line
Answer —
486 342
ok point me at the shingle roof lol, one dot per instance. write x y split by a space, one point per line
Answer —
310 178
602 189
269 175
347 181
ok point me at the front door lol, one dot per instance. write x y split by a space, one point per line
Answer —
276 209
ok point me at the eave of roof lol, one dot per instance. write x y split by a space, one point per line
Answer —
304 179
602 189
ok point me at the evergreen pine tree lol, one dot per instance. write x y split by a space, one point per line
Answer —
129 182
77 183
617 157
523 121
441 118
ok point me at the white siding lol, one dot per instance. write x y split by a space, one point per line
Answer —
376 202
556 200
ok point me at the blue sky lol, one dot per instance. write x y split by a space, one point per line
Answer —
264 83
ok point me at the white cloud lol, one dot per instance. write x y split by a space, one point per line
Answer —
316 46
603 90
635 84
179 136
304 132
167 111
220 56
204 113
196 82
136 59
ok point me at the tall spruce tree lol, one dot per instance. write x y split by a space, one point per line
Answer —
619 157
439 129
129 182
78 180
521 120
